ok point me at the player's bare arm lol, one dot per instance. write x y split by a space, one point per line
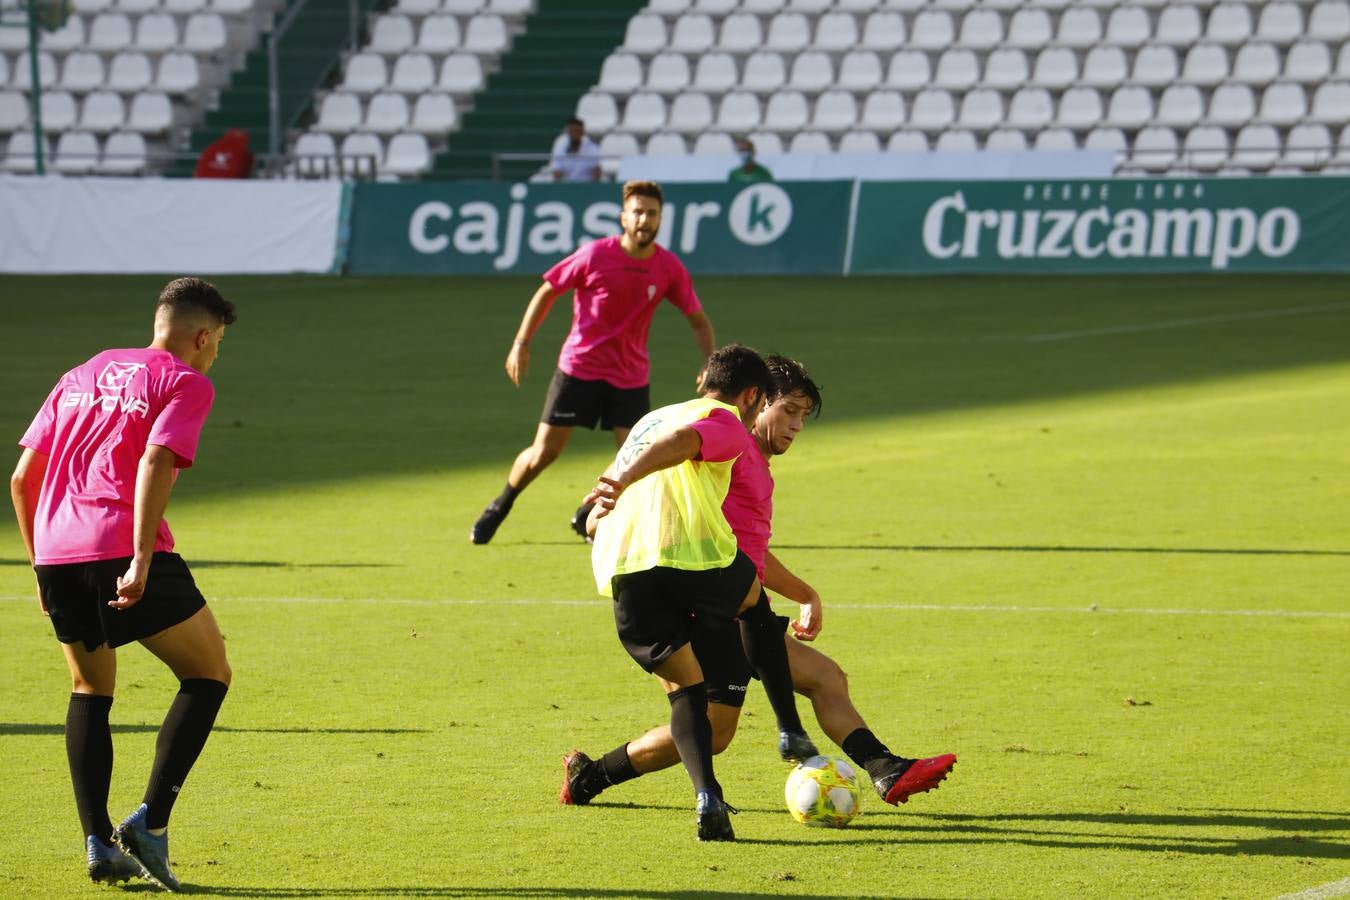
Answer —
518 359
703 336
154 482
24 486
779 579
670 450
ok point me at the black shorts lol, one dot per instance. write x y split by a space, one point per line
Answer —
578 403
77 596
721 656
658 611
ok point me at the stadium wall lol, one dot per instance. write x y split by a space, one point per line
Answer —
105 225
50 225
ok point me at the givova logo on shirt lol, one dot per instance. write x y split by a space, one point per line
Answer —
112 384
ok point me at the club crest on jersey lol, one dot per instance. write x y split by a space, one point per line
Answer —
112 381
651 292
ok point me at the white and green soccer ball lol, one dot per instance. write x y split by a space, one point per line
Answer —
824 791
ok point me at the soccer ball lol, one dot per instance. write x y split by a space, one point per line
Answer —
823 791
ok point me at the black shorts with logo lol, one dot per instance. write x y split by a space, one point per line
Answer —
77 595
580 403
721 656
659 610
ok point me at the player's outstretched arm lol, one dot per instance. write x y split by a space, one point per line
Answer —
780 580
707 343
24 486
670 450
154 482
518 359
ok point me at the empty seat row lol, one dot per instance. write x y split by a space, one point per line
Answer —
78 153
127 73
675 8
935 109
1127 26
320 155
439 33
1054 67
505 8
150 112
367 73
112 32
178 7
386 113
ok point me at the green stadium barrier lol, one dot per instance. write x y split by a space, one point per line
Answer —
488 227
1116 225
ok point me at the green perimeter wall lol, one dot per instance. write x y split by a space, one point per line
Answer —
846 227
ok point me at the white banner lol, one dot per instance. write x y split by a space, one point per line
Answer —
166 225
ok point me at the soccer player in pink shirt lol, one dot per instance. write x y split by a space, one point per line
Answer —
722 653
603 371
98 464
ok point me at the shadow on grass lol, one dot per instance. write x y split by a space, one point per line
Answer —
18 728
249 564
527 892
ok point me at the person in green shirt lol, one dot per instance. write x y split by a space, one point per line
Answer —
748 170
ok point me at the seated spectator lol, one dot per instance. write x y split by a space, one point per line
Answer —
228 157
748 170
575 156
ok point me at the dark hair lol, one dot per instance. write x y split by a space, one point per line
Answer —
193 295
575 121
732 369
642 189
787 376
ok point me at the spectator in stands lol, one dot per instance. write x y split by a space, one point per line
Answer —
748 170
575 156
228 157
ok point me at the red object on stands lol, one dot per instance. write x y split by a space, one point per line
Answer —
228 157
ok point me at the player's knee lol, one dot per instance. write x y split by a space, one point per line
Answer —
721 738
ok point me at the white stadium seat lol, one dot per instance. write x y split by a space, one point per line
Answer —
464 7
1308 62
1180 105
981 29
316 154
981 110
861 70
392 34
1128 26
1329 20
615 146
407 155
1005 68
907 141
932 110
416 8
103 111
1030 109
22 77
1205 148
788 32
1006 140
690 113
665 143
693 33
668 73
956 141
883 31
1155 148
205 33
124 153
1256 147
1112 139
716 73
76 153
811 72
932 30
740 33
150 113
486 35
130 72
1308 146
1029 29
109 32
1231 105
59 110
1256 64
810 142
764 73
620 74
1206 65
387 113
883 111
908 70
835 112
1331 103
1130 107
1179 25
81 72
413 73
1283 104
598 111
786 111
362 155
1079 27
1280 22
434 114
644 113
739 112
713 143
19 152
668 8
859 142
70 36
957 69
1229 23
1104 67
1155 66
1080 108
646 34
1056 67
156 33
1055 139
461 73
836 32
439 34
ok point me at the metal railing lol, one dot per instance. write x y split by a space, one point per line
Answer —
275 127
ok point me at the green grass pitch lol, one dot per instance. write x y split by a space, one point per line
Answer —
1090 534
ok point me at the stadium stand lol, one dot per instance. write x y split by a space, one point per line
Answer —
441 88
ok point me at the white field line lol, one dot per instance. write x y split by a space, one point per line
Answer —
1186 323
1321 892
898 607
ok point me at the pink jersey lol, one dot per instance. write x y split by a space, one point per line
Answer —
616 297
749 504
723 436
94 428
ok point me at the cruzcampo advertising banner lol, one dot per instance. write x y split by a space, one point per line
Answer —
1112 225
486 227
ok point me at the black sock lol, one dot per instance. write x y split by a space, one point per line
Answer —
615 767
692 732
864 749
762 638
89 749
507 497
180 741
